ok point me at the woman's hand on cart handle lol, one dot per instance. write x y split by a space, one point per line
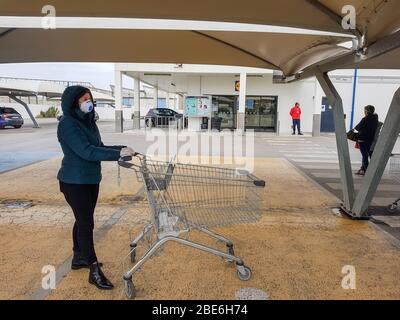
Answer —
125 158
124 162
128 152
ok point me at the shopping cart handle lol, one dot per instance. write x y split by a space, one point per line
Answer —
123 162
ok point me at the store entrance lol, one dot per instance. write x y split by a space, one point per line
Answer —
261 113
225 108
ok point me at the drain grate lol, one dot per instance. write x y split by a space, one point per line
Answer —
18 204
251 294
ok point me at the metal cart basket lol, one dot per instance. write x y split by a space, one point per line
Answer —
394 172
186 197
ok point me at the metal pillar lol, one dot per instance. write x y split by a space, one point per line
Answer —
384 147
353 103
13 97
346 173
119 119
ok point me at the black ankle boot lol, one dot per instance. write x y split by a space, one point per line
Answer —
97 277
79 263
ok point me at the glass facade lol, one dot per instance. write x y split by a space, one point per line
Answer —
225 107
261 112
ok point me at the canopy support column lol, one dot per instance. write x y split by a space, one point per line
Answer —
346 173
25 105
384 147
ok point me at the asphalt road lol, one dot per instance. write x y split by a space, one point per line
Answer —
21 147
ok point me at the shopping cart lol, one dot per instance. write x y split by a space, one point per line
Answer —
186 197
394 172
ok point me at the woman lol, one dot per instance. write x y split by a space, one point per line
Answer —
80 175
366 135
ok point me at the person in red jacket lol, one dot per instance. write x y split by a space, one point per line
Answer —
295 113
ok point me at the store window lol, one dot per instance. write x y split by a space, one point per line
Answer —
261 113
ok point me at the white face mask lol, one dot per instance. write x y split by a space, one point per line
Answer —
86 106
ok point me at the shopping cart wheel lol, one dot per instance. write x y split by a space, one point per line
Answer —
133 254
393 207
130 289
243 272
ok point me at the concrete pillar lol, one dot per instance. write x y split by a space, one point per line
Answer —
119 119
180 102
167 96
155 97
174 106
136 103
242 102
318 95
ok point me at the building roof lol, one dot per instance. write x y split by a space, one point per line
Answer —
50 89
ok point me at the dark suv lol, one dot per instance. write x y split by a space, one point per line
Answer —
9 117
161 117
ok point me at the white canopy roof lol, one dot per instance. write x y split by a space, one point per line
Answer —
290 53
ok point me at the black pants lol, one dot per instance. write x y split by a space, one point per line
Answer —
82 198
296 124
365 149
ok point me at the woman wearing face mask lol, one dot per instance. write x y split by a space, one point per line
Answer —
80 175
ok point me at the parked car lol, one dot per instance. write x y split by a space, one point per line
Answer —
9 117
161 117
96 116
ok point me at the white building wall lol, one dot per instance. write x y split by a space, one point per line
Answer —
288 95
373 87
35 108
378 93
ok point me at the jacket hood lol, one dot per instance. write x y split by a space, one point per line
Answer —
69 100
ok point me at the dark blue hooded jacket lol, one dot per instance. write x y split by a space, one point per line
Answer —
81 142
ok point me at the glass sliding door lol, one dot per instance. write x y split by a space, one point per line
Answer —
261 113
225 108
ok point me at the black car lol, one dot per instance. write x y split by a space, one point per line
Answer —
161 117
9 117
